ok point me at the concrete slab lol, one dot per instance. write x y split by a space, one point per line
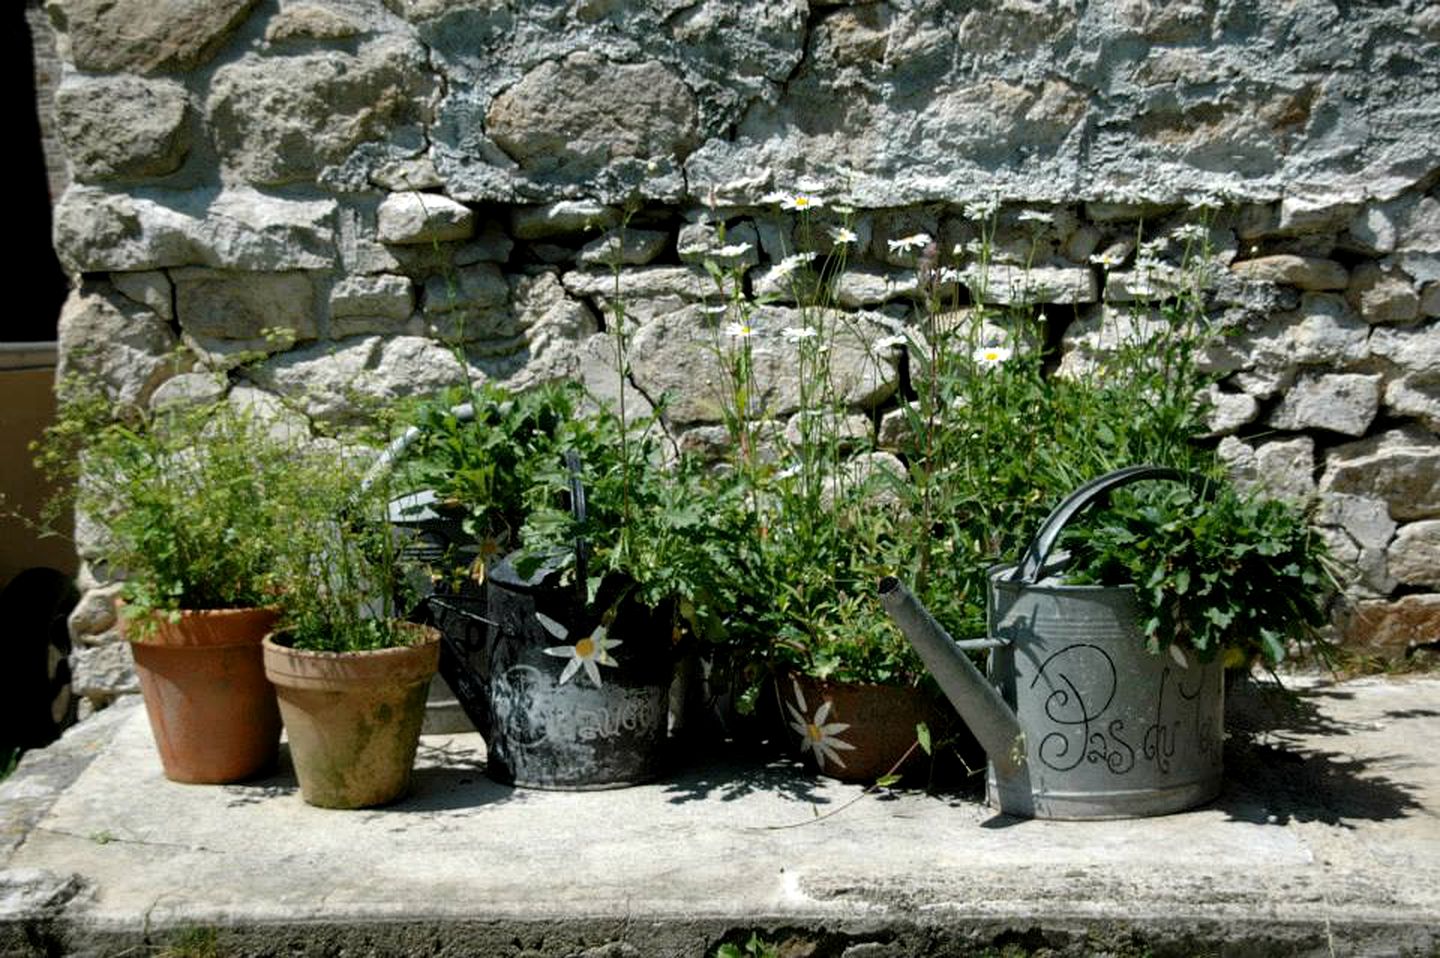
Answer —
1325 841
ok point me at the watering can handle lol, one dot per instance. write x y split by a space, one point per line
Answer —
1028 571
391 453
582 548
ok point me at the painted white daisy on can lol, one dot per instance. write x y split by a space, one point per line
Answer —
589 653
818 737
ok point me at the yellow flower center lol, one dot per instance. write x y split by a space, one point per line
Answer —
584 648
813 731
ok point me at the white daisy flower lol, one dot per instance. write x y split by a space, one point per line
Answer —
715 309
795 334
817 736
915 241
775 196
844 235
981 210
589 653
791 263
991 355
800 202
734 249
1190 233
1106 259
1034 216
890 342
949 274
739 330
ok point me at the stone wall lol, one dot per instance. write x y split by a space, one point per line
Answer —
380 180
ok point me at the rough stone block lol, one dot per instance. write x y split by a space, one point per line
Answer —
1391 628
1374 229
385 296
1228 411
221 304
1345 403
647 291
1430 299
106 336
571 117
1284 468
673 355
1358 532
236 228
629 247
869 286
1088 340
414 218
1383 296
139 36
563 218
1414 555
1308 214
150 289
123 127
309 21
1007 285
1304 272
474 288
1413 350
325 380
190 389
1400 466
103 670
1416 396
280 120
94 613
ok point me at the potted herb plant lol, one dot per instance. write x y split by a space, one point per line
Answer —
351 675
818 516
188 502
578 539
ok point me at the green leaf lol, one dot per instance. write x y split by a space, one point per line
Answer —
922 733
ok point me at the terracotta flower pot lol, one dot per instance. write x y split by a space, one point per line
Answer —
854 732
211 708
353 718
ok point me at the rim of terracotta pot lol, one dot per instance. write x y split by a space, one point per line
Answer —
208 628
401 663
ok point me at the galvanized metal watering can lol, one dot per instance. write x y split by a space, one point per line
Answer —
1079 720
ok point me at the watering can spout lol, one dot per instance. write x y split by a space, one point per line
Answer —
991 720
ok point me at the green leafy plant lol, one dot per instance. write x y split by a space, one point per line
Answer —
338 569
754 947
189 500
810 529
485 465
1215 570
